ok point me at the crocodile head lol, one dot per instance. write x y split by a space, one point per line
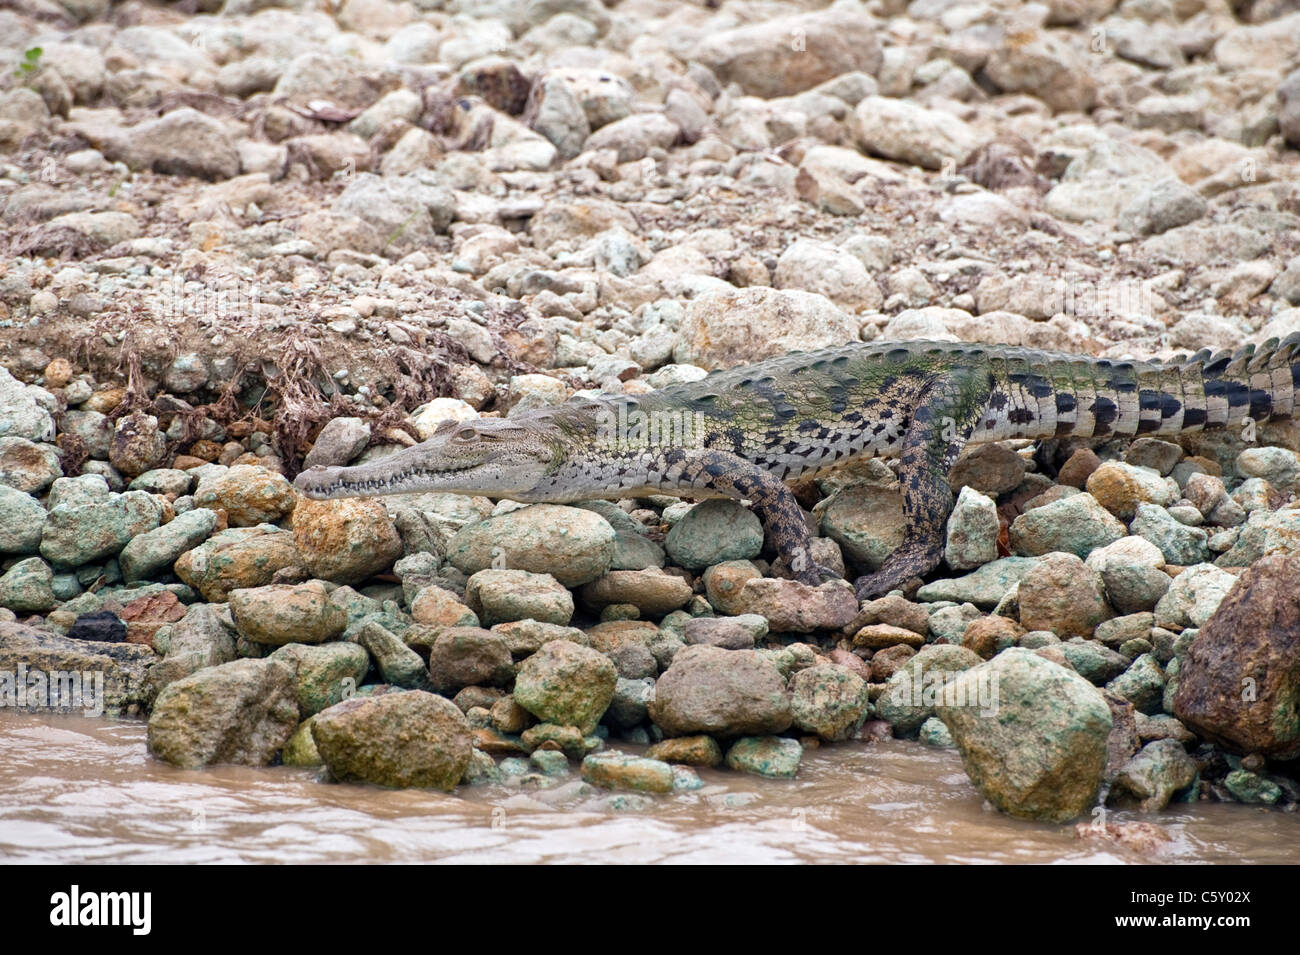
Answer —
495 457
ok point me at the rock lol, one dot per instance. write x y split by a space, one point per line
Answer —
633 550
325 674
183 142
468 656
1095 662
276 615
146 615
911 693
199 639
240 712
144 556
1076 525
82 533
24 410
1278 466
881 636
653 592
866 522
1178 543
1120 488
688 750
973 529
1039 752
788 55
527 636
728 328
828 270
984 587
828 700
567 684
718 632
21 517
345 540
500 596
28 467
1044 65
573 545
1194 596
1060 594
437 607
629 707
721 693
991 635
27 587
1156 773
772 756
405 213
1142 684
633 137
713 532
1132 571
104 626
792 607
397 663
617 771
249 495
906 131
137 444
235 558
341 440
1249 787
1237 685
399 740
124 666
1166 204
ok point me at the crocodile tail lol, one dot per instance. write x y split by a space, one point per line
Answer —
1255 383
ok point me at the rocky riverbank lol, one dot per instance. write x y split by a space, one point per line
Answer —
257 237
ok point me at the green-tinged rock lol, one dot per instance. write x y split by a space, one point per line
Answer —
568 740
524 637
721 693
199 639
21 517
1249 787
948 624
250 495
76 534
712 532
1193 596
934 733
1118 631
550 762
1278 466
983 587
287 613
567 684
1039 751
1178 543
686 780
689 750
301 749
633 551
910 695
828 700
398 740
1077 524
1142 684
617 771
28 587
1094 661
772 756
573 545
144 556
325 674
469 656
866 521
28 466
502 596
240 712
1156 773
482 770
241 557
973 530
397 663
1132 571
630 705
793 607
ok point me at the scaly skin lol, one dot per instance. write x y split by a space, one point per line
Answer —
743 432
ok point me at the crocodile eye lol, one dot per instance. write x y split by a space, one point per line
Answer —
465 434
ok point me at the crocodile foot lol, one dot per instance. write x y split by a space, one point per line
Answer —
903 566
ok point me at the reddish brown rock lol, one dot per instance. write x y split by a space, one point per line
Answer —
144 615
1239 684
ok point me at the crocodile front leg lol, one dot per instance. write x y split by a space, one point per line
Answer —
949 409
727 474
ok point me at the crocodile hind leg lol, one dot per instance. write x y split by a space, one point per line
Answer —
731 476
948 411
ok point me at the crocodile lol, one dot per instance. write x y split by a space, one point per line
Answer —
743 432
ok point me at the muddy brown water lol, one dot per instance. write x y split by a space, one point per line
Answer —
80 790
